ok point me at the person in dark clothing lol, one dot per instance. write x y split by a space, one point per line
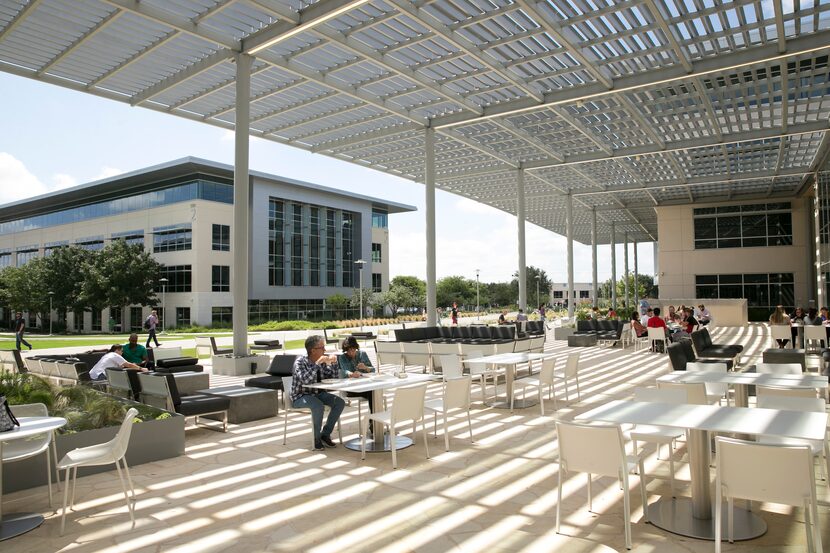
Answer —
19 329
454 313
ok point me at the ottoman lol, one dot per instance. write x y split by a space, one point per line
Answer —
582 340
188 382
247 404
776 355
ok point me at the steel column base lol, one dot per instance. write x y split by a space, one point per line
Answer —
675 516
16 524
377 446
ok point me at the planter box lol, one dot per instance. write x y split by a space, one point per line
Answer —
562 332
228 365
150 441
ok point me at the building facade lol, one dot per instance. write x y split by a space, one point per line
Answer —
305 240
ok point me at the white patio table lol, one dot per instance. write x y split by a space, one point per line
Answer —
740 381
15 524
511 361
693 516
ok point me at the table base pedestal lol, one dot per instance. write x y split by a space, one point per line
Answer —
15 524
504 403
675 516
377 446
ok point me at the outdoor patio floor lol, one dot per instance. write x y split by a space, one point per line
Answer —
245 491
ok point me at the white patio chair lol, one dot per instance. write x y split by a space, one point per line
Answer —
416 354
625 337
658 334
450 367
714 390
639 341
778 368
19 450
440 350
111 452
456 395
815 333
571 371
544 381
658 435
481 372
819 448
781 332
389 354
598 449
695 391
408 405
765 472
784 392
288 405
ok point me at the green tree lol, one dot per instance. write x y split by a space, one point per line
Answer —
24 288
530 286
499 294
65 271
337 303
400 296
122 274
417 290
645 284
455 289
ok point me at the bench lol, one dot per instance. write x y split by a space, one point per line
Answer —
266 345
171 360
206 345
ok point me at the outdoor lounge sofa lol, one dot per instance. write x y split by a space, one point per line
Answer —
160 390
281 365
606 330
705 348
681 353
171 360
458 334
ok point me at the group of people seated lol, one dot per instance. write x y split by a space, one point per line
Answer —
799 318
315 366
678 323
131 355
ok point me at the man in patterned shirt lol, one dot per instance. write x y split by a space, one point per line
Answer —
309 369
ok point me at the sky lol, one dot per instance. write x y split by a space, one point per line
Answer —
54 138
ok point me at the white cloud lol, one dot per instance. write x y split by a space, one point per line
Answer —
107 172
228 136
16 182
62 180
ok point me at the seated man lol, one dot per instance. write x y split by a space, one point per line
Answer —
112 360
135 352
703 315
657 322
503 317
521 316
309 369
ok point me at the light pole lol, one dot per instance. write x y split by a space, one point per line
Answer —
478 311
51 295
360 263
163 282
538 278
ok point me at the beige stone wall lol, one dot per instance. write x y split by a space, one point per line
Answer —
679 262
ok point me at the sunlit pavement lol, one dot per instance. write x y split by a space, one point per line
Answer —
245 491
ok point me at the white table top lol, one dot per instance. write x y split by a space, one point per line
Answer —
376 382
511 358
803 380
742 420
32 426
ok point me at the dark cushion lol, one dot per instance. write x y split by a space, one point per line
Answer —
180 369
430 332
269 343
177 362
464 332
418 333
680 353
728 362
90 358
268 382
505 332
282 365
198 404
445 331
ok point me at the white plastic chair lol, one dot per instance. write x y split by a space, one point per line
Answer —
781 332
416 354
763 472
456 395
815 333
638 341
450 367
714 390
780 391
389 354
626 335
111 452
695 391
288 405
439 350
598 449
659 435
18 450
658 334
481 372
778 368
571 371
545 380
819 448
408 405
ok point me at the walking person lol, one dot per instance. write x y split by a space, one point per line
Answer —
454 313
150 324
19 329
310 369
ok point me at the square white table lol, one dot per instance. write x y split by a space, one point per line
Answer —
740 381
15 524
511 361
376 383
693 516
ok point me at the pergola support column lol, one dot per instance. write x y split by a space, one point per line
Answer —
627 305
432 304
636 284
820 281
520 218
569 210
241 207
595 294
613 267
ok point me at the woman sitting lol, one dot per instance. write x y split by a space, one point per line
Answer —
637 326
780 317
354 363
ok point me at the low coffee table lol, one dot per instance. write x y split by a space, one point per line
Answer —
189 382
247 404
582 340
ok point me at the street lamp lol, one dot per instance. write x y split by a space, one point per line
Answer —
478 313
360 263
163 310
51 294
538 278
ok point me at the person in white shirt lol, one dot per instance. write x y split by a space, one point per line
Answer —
703 315
649 314
112 360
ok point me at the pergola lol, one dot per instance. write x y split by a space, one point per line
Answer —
580 116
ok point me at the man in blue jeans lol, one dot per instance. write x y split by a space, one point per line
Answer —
309 369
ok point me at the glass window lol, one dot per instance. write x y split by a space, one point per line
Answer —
296 245
136 320
173 238
221 238
314 246
557 294
706 279
750 225
331 248
347 242
221 316
221 278
377 282
182 316
377 256
584 293
130 237
96 321
179 279
380 218
24 256
276 244
759 289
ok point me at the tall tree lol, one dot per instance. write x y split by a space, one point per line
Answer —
417 290
455 289
530 285
123 274
65 271
25 287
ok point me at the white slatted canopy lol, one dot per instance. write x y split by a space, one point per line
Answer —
625 105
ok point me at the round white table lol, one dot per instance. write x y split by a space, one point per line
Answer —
12 525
